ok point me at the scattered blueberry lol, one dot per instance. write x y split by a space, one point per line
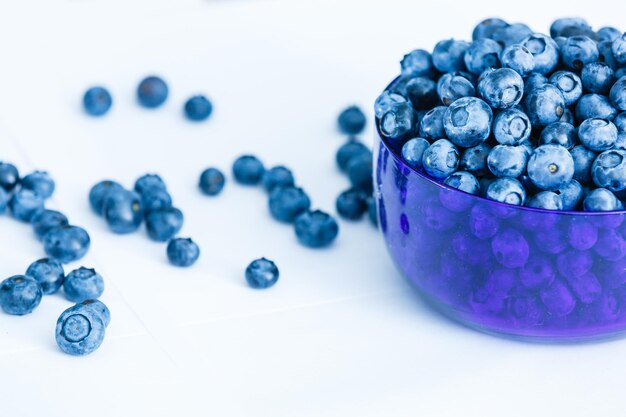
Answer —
97 101
351 204
371 210
248 170
48 273
287 203
278 176
9 176
350 150
155 198
182 252
24 203
360 172
152 92
198 108
147 182
4 200
351 121
261 273
316 229
164 224
83 284
45 220
66 243
211 181
99 307
99 192
19 295
79 330
39 182
123 211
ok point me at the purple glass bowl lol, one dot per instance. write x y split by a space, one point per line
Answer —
517 271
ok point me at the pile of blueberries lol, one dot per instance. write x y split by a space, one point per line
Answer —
151 93
517 116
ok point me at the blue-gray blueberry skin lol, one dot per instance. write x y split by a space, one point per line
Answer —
182 252
511 127
547 200
287 203
66 243
507 161
532 81
467 122
40 182
97 101
609 170
360 173
606 55
399 121
80 330
261 273
24 204
278 176
597 77
518 58
421 92
99 307
417 63
155 198
349 151
351 121
351 204
620 143
618 94
9 176
550 166
559 133
463 181
507 190
594 106
453 86
4 200
544 50
98 194
481 55
619 49
440 159
583 159
571 194
570 85
601 199
164 224
620 122
474 160
123 211
211 181
431 125
19 295
147 182
152 92
248 170
559 26
83 284
45 220
385 101
544 105
578 51
372 212
486 28
608 33
597 134
568 116
501 88
449 55
413 151
48 273
198 108
316 229
511 34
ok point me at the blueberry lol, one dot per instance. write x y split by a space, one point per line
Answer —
605 50
9 176
413 151
511 34
4 200
620 122
39 182
561 25
453 86
569 84
351 121
421 92
597 77
534 80
474 160
182 252
440 159
481 55
558 299
163 224
537 272
574 263
582 234
19 295
360 172
463 181
547 200
594 106
511 127
148 181
99 192
608 33
399 121
99 308
448 55
155 198
601 199
486 28
507 161
431 125
24 203
211 181
559 133
518 58
510 248
79 330
597 134
287 203
417 63
544 50
152 92
550 166
351 204
587 288
618 94
371 210
48 273
278 176
123 211
66 243
507 190
45 220
501 88
567 117
248 170
198 108
385 101
316 229
578 51
571 194
350 150
619 49
261 273
468 122
83 284
609 170
544 105
97 101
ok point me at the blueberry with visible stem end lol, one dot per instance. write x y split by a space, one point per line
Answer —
39 182
164 224
45 220
501 88
544 105
413 151
261 273
350 150
198 108
463 181
519 59
597 134
182 252
511 127
83 284
559 133
547 200
609 170
506 190
278 176
248 170
578 51
287 203
601 199
48 273
19 295
606 55
66 243
544 50
440 159
97 101
550 166
569 84
316 229
351 121
79 330
152 92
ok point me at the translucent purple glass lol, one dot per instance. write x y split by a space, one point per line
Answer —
510 270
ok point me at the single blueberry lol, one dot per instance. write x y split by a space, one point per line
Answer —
583 159
351 204
287 203
507 161
350 150
597 134
351 121
609 170
149 181
597 77
518 58
571 194
569 84
152 92
261 273
511 34
608 33
278 176
360 172
544 105
79 330
601 199
83 284
507 190
9 176
19 295
467 122
399 121
463 181
431 125
560 26
316 229
448 55
39 182
45 220
24 203
619 49
578 51
594 106
544 50
48 273
511 127
453 86
538 272
385 101
620 122
501 88
550 166
163 224
486 28
97 101
474 160
534 80
559 133
547 200
123 211
618 94
440 159
211 181
198 108
510 248
98 194
417 63
605 50
421 92
155 198
248 170
413 151
66 243
98 307
182 252
481 55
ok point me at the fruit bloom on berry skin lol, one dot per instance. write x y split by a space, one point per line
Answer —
152 92
547 200
287 203
399 121
486 28
609 170
474 160
431 125
560 133
24 204
417 63
39 182
601 199
48 273
463 181
501 88
578 51
351 204
440 159
618 94
385 101
316 229
619 49
511 127
66 243
482 54
550 166
571 194
413 151
507 161
211 181
98 194
597 134
519 59
97 101
511 34
569 84
19 295
544 50
351 121
164 224
261 273
453 86
198 108
532 81
83 284
467 122
248 170
80 330
449 55
507 190
594 106
182 252
278 176
544 105
597 77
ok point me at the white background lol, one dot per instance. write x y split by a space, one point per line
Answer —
341 334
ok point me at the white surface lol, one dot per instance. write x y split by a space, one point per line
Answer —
341 333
